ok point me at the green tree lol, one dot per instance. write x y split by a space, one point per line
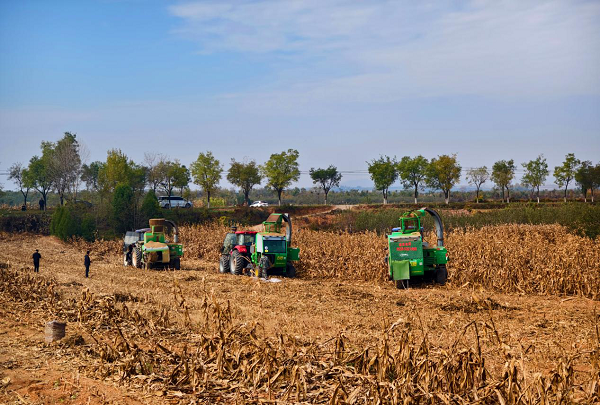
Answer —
443 173
326 178
150 207
182 179
118 169
65 165
477 176
412 173
566 172
281 170
535 175
39 172
585 178
503 172
172 175
21 178
384 173
245 176
207 171
123 208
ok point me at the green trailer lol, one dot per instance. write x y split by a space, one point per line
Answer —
149 248
410 257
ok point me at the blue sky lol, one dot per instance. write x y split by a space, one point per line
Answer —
341 81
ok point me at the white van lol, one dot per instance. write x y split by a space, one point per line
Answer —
173 202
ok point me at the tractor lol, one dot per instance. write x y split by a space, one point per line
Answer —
261 253
410 257
148 247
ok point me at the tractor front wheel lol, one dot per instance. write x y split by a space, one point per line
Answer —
177 264
236 263
224 264
441 274
136 257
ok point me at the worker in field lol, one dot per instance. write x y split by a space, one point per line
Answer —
36 261
230 240
87 263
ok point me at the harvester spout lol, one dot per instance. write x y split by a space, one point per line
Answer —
175 230
439 228
288 230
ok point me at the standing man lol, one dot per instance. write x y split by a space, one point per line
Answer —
36 261
87 263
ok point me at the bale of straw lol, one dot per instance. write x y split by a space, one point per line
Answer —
55 330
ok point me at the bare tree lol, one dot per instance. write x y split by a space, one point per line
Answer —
20 176
477 176
154 163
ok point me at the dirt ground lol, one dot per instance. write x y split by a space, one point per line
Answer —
536 329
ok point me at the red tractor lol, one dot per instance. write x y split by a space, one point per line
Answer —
235 253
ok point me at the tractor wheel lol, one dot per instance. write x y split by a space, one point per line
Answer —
177 264
236 263
224 264
441 274
402 284
136 257
290 270
125 262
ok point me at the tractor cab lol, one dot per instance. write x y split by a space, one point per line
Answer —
243 241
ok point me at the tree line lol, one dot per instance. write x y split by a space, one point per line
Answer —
59 168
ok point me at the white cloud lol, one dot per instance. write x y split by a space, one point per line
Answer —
335 51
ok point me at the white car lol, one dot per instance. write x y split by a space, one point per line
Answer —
173 202
259 204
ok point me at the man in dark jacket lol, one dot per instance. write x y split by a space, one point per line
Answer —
87 263
36 261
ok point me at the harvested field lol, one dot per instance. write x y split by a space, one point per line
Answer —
338 334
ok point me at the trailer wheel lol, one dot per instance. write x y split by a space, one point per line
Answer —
224 264
236 263
136 257
441 274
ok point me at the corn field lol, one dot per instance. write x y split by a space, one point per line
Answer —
538 259
219 360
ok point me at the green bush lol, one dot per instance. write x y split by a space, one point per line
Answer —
68 222
150 207
123 208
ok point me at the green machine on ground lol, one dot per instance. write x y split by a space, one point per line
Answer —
148 247
261 253
410 257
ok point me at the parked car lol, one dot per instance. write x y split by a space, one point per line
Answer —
259 204
173 202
